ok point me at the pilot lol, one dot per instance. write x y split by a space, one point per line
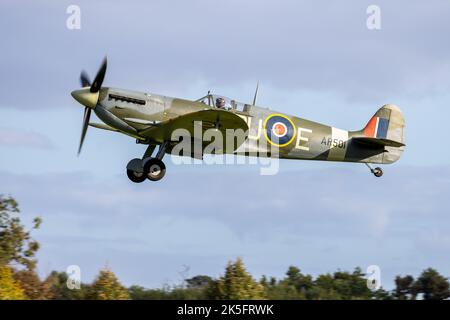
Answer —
220 103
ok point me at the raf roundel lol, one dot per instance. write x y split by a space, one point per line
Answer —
279 130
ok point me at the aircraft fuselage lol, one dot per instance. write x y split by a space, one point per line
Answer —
296 138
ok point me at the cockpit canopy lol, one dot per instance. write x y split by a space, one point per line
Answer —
222 102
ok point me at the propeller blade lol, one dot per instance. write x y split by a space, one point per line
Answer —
84 79
87 115
96 85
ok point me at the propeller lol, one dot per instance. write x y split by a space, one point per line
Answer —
96 85
87 116
84 79
88 96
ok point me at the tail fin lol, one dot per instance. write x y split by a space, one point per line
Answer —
387 124
385 129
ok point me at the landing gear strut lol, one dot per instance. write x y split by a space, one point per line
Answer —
377 172
149 168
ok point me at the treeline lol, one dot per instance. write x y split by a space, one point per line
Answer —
19 280
237 283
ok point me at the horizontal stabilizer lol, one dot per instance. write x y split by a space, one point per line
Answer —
382 140
378 142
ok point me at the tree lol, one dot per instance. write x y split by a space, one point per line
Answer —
342 285
432 285
16 245
295 286
237 284
325 288
33 287
404 289
58 287
382 294
141 293
107 287
302 283
281 290
9 287
199 282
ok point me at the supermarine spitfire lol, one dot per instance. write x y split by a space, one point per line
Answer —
165 122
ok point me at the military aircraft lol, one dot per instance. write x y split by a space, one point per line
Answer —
153 119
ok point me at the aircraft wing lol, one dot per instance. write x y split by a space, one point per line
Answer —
219 119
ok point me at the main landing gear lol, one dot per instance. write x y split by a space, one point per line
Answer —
153 169
377 172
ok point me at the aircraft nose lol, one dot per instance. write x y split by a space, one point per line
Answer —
85 97
76 94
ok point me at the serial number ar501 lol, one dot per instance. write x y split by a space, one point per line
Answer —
335 143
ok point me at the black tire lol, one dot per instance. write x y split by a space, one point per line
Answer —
136 177
378 172
154 169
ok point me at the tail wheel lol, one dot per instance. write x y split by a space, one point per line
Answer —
378 172
154 169
136 177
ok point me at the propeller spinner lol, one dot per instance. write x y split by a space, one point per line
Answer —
88 96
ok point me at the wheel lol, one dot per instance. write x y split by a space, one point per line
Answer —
136 177
154 169
378 172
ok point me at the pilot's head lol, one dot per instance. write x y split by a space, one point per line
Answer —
220 102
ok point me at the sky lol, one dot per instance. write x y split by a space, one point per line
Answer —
313 59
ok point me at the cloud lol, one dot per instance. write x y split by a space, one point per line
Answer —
287 45
15 138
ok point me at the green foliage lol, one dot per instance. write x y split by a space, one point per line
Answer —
282 291
18 249
236 284
196 289
9 287
176 293
404 288
60 291
16 245
140 293
294 286
337 286
432 285
199 282
298 282
348 285
382 294
107 287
